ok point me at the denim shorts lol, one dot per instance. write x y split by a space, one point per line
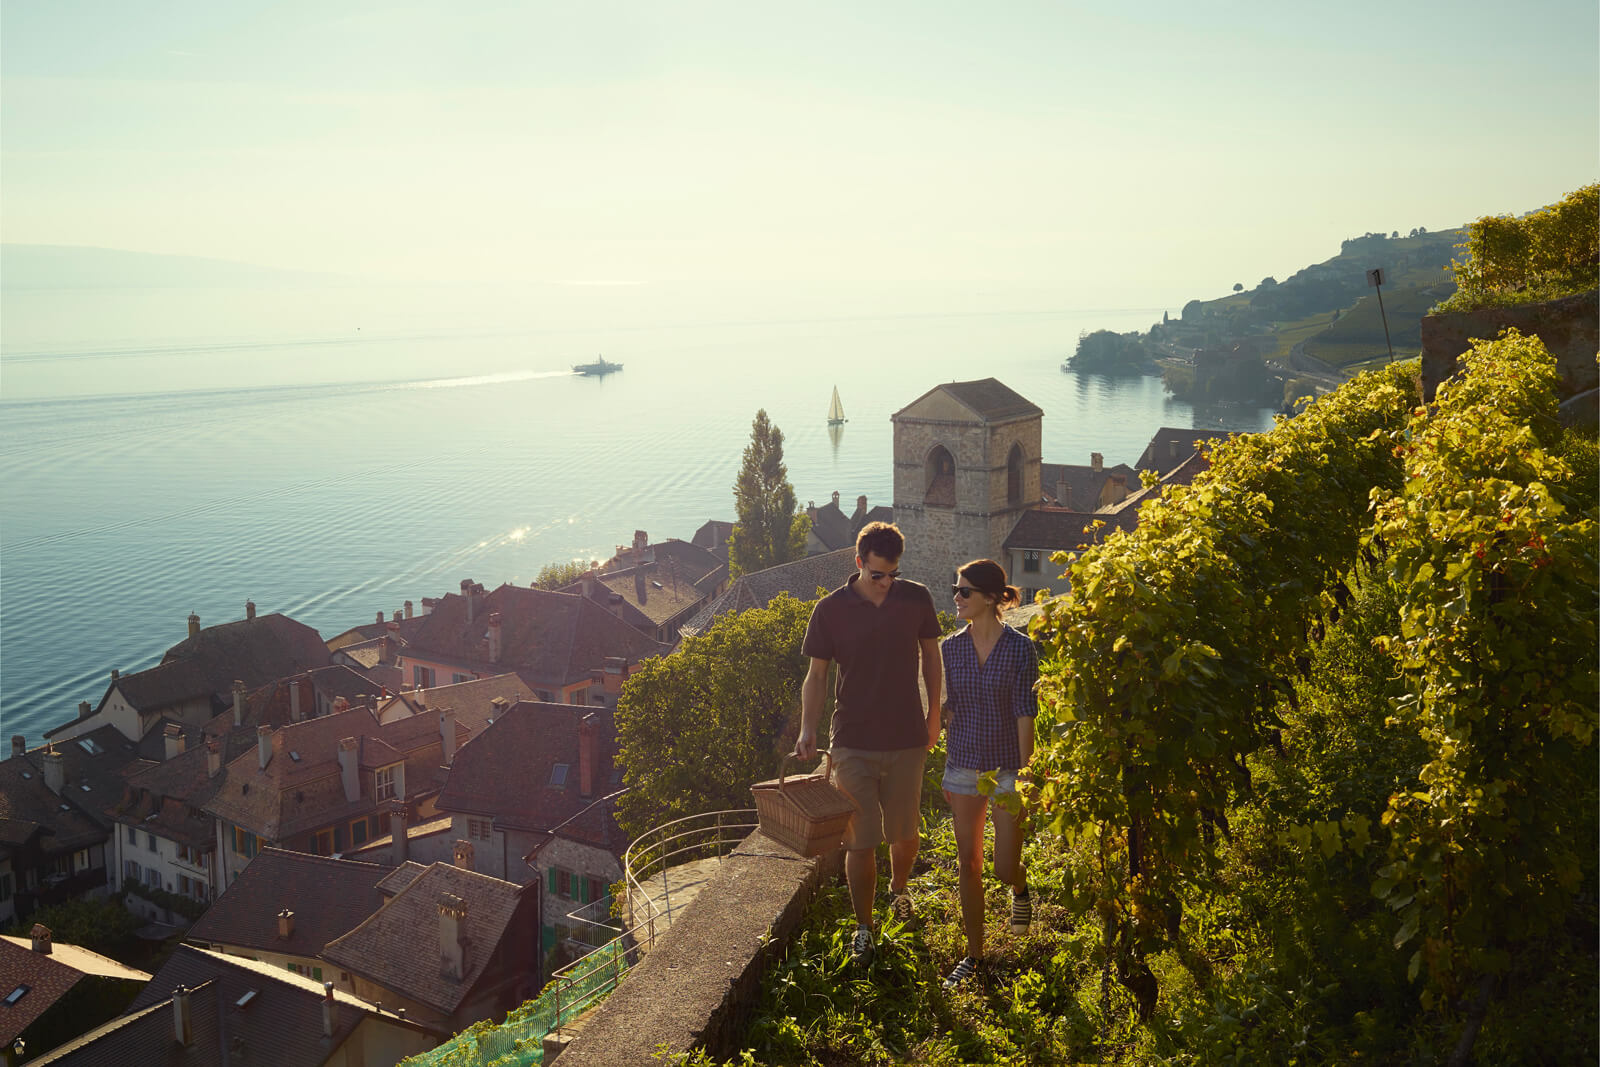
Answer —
963 781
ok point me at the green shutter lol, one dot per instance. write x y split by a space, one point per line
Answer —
552 879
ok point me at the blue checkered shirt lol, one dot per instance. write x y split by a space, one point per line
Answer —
986 702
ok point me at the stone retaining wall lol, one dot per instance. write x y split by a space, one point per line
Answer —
695 989
1569 328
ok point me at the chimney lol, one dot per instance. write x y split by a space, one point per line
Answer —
640 541
328 1004
836 498
464 854
408 609
590 578
182 1025
238 702
297 710
380 619
264 745
194 625
1097 462
55 771
1063 493
213 757
397 833
497 708
472 601
428 603
1172 446
173 737
495 646
85 709
249 609
860 515
340 704
385 648
285 924
452 936
396 617
349 771
41 938
640 593
19 744
447 735
586 756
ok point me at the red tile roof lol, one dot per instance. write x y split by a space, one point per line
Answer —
329 898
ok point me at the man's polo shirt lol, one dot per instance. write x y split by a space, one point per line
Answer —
877 702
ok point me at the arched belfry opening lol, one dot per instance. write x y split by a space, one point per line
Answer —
1014 476
939 478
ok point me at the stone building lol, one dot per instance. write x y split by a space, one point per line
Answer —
966 466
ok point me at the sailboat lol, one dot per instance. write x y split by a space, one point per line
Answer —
835 410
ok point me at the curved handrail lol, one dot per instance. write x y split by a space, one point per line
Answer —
650 854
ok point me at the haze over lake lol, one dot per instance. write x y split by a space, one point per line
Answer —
331 452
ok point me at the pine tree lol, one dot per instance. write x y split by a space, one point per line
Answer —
767 531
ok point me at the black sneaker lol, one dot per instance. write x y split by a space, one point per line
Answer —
1021 914
961 972
861 947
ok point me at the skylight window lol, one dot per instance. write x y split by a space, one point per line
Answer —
90 745
294 755
84 788
558 776
17 994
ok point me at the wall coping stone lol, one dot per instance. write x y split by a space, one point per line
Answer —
695 988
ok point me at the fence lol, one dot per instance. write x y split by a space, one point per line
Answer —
573 989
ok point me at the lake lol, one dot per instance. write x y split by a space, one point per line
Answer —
332 452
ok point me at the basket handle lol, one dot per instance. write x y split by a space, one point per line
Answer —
827 765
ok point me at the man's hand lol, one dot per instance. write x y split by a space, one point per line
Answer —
805 746
934 725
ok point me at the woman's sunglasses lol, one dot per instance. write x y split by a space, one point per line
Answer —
963 591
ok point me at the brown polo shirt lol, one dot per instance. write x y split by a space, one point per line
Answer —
877 699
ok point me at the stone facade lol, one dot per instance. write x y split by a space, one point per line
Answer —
1568 327
966 465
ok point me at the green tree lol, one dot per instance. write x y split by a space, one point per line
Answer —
1107 352
100 925
767 531
559 575
697 728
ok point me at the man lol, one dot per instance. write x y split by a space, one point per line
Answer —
879 629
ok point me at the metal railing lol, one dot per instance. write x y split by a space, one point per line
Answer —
711 835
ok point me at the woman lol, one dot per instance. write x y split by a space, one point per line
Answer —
990 670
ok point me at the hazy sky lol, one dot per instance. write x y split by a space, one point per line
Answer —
1153 147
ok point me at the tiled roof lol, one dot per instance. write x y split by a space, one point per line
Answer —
556 638
507 772
81 959
1055 529
713 536
1171 445
400 877
168 683
27 805
329 898
665 596
97 765
392 947
989 398
831 526
47 978
800 579
281 1024
1084 484
472 702
291 795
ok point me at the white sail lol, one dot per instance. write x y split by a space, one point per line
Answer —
836 409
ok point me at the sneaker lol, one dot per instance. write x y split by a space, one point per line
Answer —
900 907
861 947
962 971
1021 914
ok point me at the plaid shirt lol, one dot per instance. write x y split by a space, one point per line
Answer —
985 701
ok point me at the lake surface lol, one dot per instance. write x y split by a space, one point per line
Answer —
330 453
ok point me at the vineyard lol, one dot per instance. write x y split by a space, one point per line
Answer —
1316 782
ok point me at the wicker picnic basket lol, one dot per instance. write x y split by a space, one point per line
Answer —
805 813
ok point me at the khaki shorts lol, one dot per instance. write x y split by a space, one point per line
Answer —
887 790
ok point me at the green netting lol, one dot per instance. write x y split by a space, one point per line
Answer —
519 1041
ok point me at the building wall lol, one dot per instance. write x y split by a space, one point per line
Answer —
378 1044
8 891
316 969
940 538
583 861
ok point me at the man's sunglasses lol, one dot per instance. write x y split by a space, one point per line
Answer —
879 576
963 591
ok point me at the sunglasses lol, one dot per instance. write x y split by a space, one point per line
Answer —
963 591
879 576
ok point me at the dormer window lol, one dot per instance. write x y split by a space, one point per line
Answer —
389 782
558 776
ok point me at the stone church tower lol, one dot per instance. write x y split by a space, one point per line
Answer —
966 466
